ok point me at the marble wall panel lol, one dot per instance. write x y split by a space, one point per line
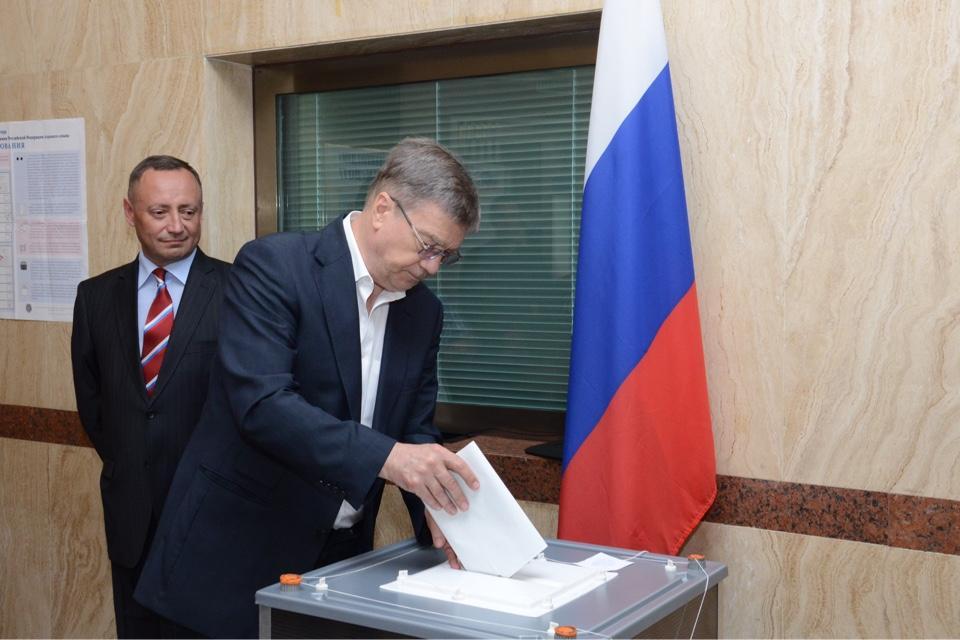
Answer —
54 572
729 64
920 596
543 516
35 361
227 158
232 26
82 604
23 96
26 580
48 36
393 520
750 596
785 585
149 29
849 589
872 279
818 142
488 11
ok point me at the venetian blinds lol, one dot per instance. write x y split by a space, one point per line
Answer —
508 304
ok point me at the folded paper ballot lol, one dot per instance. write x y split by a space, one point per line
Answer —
494 535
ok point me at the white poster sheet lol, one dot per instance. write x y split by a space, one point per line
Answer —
43 218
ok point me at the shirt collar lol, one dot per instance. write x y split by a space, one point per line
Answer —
179 269
360 273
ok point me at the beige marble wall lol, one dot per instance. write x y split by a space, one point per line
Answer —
820 147
54 572
783 585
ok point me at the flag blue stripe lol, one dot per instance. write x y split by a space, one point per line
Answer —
635 262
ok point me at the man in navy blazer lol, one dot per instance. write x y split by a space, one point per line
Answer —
324 387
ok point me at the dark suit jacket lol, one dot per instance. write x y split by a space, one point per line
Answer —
140 439
279 445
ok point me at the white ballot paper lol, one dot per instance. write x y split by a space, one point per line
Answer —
494 535
537 589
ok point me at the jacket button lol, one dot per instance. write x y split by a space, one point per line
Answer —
151 415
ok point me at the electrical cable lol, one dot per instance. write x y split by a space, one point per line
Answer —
706 585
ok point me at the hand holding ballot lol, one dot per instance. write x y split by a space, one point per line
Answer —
440 542
495 537
425 471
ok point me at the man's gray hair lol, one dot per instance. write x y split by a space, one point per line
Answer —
422 170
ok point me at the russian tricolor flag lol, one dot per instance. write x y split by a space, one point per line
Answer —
638 458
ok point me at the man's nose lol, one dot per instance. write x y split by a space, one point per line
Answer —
175 224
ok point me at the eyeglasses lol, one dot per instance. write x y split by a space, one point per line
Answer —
429 251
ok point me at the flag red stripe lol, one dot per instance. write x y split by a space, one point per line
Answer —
653 498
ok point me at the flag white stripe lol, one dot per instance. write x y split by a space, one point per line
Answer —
630 55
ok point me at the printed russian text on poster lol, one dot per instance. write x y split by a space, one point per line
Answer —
43 218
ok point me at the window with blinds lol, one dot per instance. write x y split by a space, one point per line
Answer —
508 304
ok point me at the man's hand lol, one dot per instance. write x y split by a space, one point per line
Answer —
440 542
425 471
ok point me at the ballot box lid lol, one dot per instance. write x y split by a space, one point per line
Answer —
650 588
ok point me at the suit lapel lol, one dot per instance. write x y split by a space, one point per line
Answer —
333 273
196 296
125 297
393 363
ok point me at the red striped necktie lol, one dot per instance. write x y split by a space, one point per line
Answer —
156 332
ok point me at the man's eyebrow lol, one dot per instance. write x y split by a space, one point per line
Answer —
431 239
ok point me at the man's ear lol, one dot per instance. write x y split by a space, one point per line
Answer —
128 211
382 207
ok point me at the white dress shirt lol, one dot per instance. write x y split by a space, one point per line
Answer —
373 326
177 273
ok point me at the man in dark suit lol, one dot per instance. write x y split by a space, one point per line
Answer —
324 387
144 335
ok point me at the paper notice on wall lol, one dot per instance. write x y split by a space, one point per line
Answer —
43 218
